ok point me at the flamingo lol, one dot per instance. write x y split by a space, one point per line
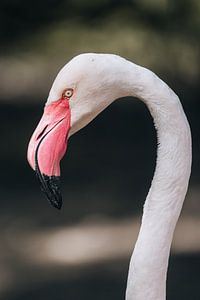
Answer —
83 88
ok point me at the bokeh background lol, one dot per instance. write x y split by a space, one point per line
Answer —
82 251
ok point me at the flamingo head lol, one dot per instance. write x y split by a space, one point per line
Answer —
81 90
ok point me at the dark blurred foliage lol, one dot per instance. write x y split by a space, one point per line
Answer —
21 17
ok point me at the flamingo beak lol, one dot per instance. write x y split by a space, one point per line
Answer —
47 147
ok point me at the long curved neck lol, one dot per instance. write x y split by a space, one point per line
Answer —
149 261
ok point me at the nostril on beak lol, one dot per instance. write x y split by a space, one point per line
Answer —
41 133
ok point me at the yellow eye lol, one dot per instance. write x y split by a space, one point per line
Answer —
67 93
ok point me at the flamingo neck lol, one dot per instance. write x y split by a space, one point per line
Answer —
149 261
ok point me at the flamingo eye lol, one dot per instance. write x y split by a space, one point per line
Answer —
67 93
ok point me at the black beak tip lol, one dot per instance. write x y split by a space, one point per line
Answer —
57 203
50 186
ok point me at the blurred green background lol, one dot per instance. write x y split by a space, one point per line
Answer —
83 251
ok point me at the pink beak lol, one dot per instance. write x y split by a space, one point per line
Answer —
47 147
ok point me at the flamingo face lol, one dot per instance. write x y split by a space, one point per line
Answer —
82 89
